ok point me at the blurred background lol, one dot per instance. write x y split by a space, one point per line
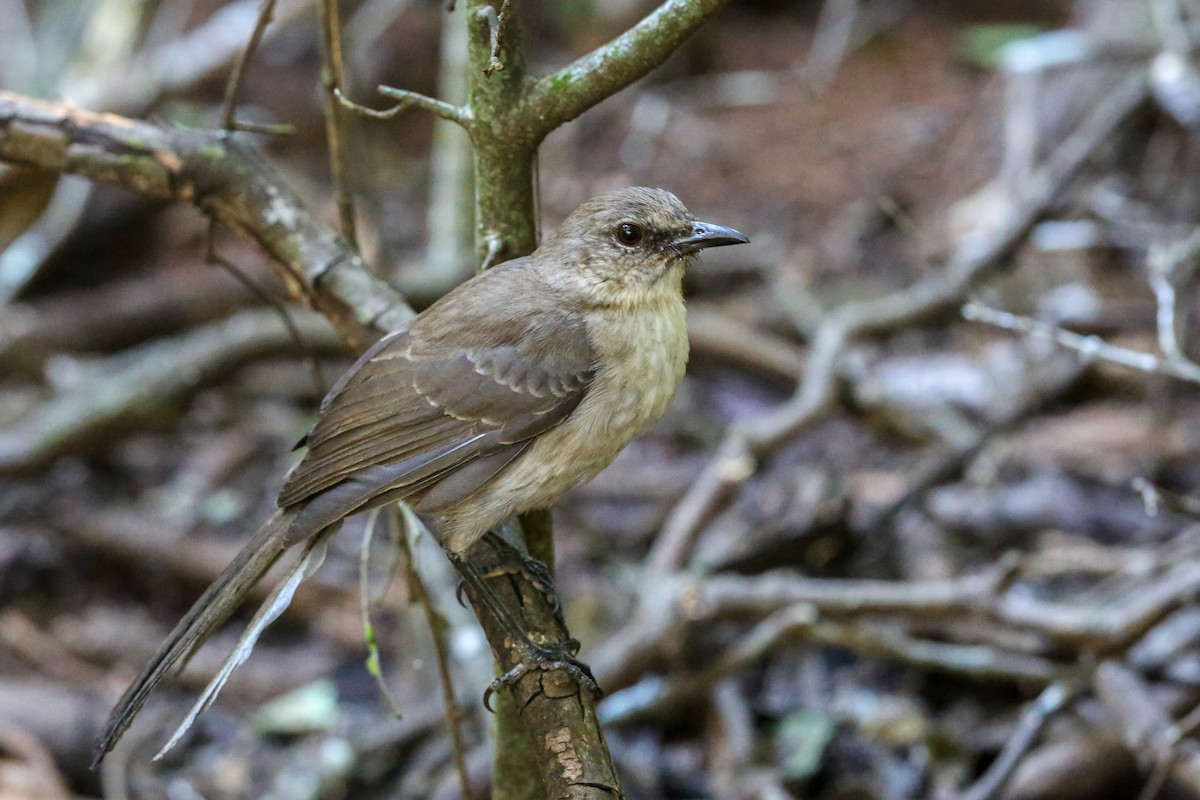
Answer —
918 524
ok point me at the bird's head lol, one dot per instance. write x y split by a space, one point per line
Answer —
625 245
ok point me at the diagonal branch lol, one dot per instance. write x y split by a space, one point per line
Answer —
735 460
227 179
128 389
563 95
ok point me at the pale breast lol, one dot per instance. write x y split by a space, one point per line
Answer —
642 356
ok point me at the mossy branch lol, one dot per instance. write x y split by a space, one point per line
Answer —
223 176
507 114
563 95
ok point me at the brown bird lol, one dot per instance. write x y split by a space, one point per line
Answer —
514 387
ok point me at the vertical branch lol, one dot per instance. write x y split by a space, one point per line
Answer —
403 527
510 114
504 229
505 142
332 80
265 14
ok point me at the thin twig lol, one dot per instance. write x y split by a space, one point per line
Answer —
374 663
126 389
1091 348
567 93
229 104
802 624
313 360
1100 625
1052 700
407 526
265 128
332 79
228 180
736 457
498 27
408 100
1170 265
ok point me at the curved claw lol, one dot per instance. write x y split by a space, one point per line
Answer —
487 697
582 674
556 659
460 593
503 682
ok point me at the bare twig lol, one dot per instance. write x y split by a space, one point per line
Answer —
1052 700
1089 347
213 257
408 525
227 179
567 93
133 386
744 443
1170 265
689 599
801 624
1147 728
1105 625
408 100
333 81
498 29
229 103
374 663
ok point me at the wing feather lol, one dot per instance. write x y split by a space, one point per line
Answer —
439 409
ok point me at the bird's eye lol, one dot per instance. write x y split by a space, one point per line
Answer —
629 233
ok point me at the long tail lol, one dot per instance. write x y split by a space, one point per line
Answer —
216 604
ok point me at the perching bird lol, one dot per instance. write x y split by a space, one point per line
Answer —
514 387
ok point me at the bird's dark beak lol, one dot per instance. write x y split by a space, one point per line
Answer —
706 234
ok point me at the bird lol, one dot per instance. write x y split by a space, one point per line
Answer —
514 387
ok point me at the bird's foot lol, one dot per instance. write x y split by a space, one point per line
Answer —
533 571
539 658
518 563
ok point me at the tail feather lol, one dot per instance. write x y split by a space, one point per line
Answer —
216 604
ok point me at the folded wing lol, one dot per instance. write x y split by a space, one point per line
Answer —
434 412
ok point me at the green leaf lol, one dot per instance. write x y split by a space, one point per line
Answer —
308 709
801 739
980 45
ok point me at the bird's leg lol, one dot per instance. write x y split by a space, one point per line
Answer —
515 561
542 658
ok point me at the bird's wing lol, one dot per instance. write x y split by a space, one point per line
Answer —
430 413
439 409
